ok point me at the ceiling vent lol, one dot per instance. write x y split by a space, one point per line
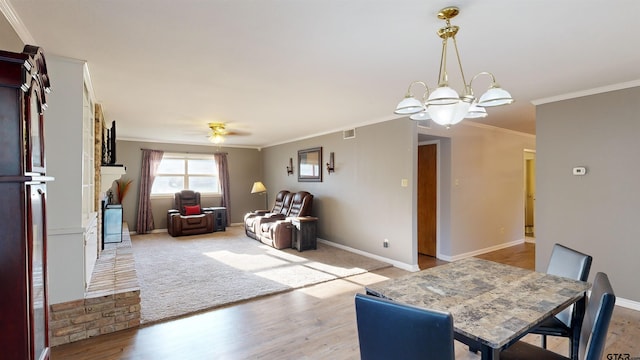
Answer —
349 134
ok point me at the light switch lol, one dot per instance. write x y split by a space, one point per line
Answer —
404 182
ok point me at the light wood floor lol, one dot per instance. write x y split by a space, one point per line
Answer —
317 322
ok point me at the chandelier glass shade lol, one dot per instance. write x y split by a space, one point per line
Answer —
444 105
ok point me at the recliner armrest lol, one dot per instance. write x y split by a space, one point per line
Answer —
274 216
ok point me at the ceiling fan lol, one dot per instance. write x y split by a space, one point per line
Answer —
219 132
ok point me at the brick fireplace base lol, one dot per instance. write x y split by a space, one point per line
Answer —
111 303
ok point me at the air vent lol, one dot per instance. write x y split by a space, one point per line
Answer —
349 134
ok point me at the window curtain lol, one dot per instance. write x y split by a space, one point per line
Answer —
223 176
150 162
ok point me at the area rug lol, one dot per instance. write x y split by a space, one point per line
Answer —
189 274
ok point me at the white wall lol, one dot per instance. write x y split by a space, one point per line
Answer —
63 134
596 213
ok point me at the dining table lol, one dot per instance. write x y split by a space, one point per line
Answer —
493 305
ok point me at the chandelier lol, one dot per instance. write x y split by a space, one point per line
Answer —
444 105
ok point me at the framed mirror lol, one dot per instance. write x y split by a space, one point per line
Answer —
309 164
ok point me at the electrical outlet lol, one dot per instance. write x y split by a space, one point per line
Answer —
385 243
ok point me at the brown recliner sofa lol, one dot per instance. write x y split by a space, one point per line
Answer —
188 217
281 205
275 229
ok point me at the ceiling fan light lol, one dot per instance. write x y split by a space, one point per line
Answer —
444 95
423 115
409 105
495 96
450 114
216 139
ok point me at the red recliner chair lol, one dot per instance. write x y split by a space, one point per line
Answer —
188 217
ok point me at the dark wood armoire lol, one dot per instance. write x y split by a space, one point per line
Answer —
24 83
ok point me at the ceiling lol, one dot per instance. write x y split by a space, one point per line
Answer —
279 70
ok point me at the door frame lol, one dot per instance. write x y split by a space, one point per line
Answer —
527 154
438 201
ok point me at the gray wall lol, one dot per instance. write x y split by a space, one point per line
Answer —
363 202
481 187
595 213
245 167
9 40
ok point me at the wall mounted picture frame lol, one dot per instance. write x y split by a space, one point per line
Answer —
310 165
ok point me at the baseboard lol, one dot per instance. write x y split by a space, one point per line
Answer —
154 231
629 304
479 252
398 264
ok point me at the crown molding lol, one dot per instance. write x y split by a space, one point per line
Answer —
17 24
594 91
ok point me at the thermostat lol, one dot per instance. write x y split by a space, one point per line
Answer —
579 171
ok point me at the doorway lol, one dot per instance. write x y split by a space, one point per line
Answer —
427 199
529 193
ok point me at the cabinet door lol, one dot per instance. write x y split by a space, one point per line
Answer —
14 342
38 311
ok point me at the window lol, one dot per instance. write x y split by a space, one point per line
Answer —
197 172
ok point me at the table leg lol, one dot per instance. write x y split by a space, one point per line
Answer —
489 353
578 315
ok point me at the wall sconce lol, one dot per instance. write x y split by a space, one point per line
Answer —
290 167
330 164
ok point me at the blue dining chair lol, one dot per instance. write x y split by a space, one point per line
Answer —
390 330
575 265
593 333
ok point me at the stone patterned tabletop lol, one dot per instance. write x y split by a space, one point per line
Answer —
491 303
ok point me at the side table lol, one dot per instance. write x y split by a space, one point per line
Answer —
219 217
304 233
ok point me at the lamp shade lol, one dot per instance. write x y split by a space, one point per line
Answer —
409 105
443 95
216 139
495 96
258 187
423 115
450 114
476 112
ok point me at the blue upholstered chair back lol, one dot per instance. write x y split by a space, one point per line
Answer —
597 319
594 328
390 330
